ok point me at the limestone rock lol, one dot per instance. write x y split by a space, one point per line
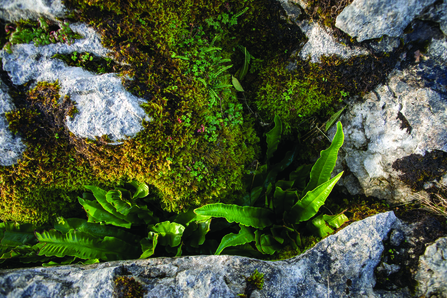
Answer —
369 19
321 42
437 13
14 10
432 271
11 146
404 118
340 264
105 107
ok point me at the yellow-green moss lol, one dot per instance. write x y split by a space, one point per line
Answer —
128 287
186 167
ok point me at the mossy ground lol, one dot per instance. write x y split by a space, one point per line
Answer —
193 152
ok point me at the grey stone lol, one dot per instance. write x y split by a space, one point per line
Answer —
11 146
369 19
14 10
437 13
321 42
385 45
376 134
432 272
438 49
105 107
291 9
388 269
341 262
396 237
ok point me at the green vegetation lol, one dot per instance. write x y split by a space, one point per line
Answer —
128 287
89 62
254 282
112 215
40 34
212 73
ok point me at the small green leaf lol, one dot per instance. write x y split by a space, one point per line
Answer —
236 84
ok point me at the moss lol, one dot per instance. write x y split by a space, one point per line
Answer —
254 282
315 90
128 287
326 11
189 164
89 62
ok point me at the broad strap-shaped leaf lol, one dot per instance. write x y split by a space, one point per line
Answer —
115 198
322 169
197 236
277 232
188 217
333 118
142 190
335 221
170 233
274 137
256 217
266 243
148 245
318 227
246 65
95 210
15 234
101 196
245 250
283 201
244 236
84 246
94 229
308 206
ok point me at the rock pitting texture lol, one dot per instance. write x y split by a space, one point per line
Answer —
340 263
406 116
369 19
320 43
432 271
105 107
437 13
14 10
11 147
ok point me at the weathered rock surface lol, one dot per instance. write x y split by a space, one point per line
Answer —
340 264
14 10
321 42
105 107
11 146
437 13
432 271
366 19
343 264
404 117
